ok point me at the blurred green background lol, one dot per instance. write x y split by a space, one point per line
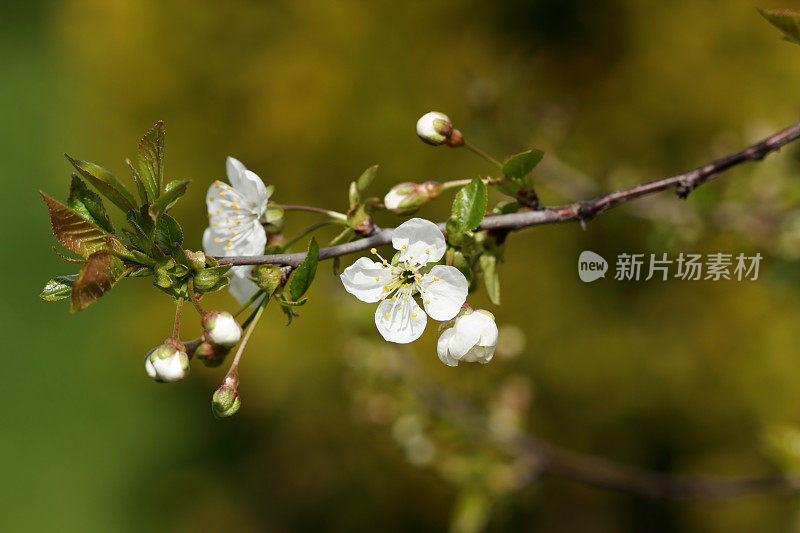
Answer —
677 376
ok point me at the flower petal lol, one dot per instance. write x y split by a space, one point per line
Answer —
241 287
444 291
248 238
465 337
365 279
400 320
420 241
443 348
488 328
479 354
248 184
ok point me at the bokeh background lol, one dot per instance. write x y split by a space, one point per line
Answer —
684 377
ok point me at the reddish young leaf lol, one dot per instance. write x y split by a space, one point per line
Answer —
75 232
98 276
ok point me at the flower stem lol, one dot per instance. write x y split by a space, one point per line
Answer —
248 302
459 183
195 299
309 230
177 326
332 214
253 321
474 149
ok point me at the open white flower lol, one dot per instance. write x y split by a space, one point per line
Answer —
472 338
234 213
442 289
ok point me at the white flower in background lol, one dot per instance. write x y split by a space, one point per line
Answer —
234 213
167 362
222 329
442 289
434 127
472 338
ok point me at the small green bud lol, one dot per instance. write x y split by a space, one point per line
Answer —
226 401
408 196
268 277
197 260
211 355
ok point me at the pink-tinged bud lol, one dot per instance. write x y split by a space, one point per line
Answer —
409 196
434 128
212 355
168 362
221 328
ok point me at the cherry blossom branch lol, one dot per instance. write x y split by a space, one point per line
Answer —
683 184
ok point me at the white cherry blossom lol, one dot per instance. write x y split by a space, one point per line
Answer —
472 338
235 212
442 288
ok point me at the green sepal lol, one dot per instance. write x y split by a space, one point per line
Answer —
208 278
58 288
268 278
301 278
88 204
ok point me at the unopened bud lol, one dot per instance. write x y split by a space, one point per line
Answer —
409 196
212 355
168 362
434 128
226 401
221 328
197 260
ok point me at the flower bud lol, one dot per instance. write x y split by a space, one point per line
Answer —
408 196
168 362
434 128
226 401
221 328
197 260
212 355
472 338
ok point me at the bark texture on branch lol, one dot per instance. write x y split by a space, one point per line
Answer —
683 184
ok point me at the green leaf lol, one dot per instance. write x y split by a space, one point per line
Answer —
76 233
169 235
143 229
169 197
520 165
58 288
469 205
151 161
105 182
100 273
138 180
785 20
491 278
208 278
355 196
88 204
303 275
366 178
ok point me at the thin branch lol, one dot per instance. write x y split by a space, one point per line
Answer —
595 471
579 211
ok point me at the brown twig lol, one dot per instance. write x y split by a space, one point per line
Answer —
579 211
